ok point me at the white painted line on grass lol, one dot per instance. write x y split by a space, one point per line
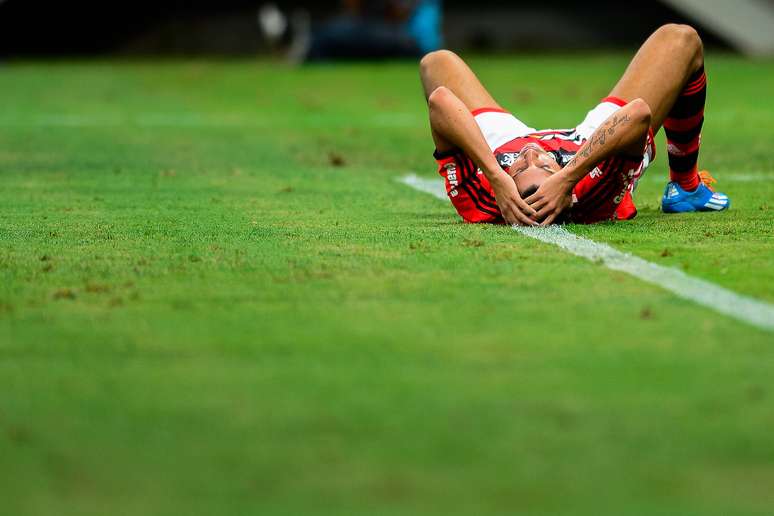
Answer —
752 311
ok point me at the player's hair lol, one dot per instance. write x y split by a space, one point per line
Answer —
528 191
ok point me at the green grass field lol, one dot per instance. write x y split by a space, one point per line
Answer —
215 298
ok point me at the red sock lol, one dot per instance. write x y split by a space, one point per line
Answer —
683 131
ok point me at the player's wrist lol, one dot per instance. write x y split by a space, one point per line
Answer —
571 175
498 177
568 181
504 186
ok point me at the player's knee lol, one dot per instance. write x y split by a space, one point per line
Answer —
683 36
689 38
437 58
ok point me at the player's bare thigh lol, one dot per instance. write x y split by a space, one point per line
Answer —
660 70
445 68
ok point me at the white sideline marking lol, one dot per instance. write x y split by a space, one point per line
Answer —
722 300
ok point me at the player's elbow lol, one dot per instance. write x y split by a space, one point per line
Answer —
438 98
640 113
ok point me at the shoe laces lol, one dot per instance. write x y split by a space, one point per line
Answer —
707 179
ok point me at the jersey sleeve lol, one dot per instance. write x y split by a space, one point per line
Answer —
599 195
467 188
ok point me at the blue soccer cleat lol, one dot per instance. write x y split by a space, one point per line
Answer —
704 198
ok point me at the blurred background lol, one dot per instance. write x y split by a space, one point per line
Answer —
334 29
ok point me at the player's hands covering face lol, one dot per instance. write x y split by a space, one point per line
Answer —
514 209
552 198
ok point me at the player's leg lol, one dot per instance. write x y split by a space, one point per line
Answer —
668 73
445 68
661 69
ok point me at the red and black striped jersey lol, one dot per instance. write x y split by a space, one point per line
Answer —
473 197
469 189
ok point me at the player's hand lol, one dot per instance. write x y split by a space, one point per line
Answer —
552 198
512 206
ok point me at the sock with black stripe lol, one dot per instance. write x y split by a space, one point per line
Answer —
683 132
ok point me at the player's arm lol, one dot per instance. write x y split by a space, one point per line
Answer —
623 133
453 124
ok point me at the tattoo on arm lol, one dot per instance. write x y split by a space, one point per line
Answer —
598 139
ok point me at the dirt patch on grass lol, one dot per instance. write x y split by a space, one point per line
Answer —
97 288
336 160
64 293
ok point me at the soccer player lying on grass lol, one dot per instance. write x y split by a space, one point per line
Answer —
497 169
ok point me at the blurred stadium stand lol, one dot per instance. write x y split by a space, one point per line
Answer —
229 27
748 25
